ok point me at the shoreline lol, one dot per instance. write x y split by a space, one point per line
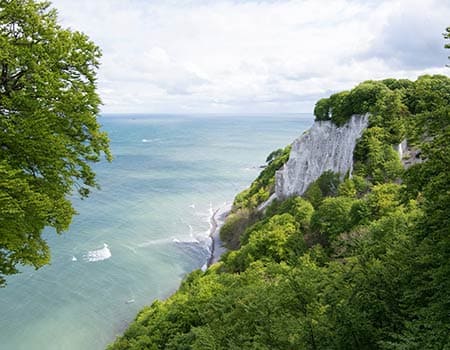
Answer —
217 220
212 230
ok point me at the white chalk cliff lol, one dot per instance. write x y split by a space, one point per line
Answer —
323 147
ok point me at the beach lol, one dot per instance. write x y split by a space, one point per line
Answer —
217 220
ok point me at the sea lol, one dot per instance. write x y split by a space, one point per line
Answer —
135 239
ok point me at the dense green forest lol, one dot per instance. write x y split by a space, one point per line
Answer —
362 263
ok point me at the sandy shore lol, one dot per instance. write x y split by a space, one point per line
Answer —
217 220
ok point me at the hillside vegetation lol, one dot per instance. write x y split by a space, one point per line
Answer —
362 263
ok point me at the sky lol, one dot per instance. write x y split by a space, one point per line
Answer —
253 56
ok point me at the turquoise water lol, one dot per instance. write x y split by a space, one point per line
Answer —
134 240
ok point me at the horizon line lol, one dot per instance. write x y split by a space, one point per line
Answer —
203 113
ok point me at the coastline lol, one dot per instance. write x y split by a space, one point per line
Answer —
217 220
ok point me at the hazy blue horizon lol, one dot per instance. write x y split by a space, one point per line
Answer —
306 115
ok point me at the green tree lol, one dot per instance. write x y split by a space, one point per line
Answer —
428 291
49 134
376 158
298 207
325 186
447 37
322 109
333 216
276 238
261 189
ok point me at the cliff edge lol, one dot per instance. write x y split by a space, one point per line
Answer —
323 147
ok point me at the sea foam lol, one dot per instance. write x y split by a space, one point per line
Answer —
99 254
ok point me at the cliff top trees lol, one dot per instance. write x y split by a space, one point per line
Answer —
48 129
447 37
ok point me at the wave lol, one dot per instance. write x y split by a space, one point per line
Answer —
190 239
154 242
99 254
149 140
195 243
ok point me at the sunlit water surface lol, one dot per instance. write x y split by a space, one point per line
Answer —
136 238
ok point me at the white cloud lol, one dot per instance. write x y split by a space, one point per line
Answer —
253 56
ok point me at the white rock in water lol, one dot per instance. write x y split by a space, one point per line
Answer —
323 147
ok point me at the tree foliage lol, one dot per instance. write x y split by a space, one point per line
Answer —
332 217
447 37
261 189
49 134
381 99
325 186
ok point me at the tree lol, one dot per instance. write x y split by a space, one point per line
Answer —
333 216
322 109
429 286
447 37
49 134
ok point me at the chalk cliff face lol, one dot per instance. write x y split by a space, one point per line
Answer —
323 147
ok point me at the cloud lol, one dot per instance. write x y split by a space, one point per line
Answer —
412 36
252 56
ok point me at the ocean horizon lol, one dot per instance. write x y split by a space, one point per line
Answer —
134 240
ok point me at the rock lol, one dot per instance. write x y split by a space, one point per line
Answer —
408 155
323 147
